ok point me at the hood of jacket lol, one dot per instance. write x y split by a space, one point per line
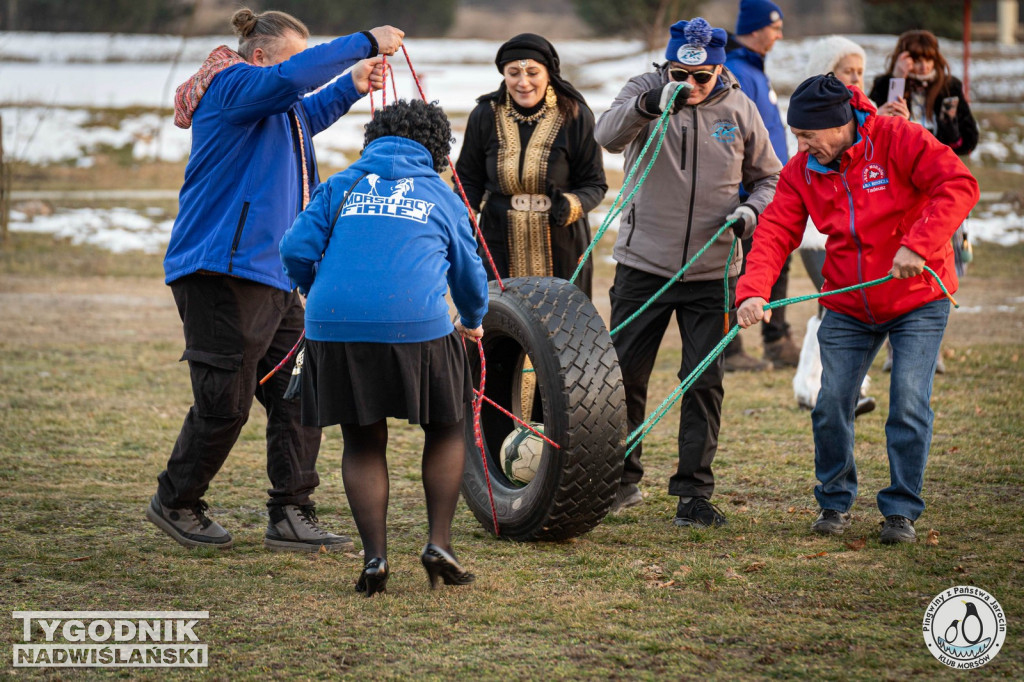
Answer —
392 158
189 93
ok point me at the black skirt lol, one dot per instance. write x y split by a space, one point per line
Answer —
428 382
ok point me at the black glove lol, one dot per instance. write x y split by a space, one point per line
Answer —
560 208
746 220
655 101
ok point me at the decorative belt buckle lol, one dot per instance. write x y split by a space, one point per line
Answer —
531 202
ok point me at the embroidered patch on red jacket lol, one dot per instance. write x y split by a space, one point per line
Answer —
875 178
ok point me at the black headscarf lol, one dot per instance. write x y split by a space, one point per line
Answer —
533 46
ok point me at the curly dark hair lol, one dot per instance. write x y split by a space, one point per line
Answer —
417 121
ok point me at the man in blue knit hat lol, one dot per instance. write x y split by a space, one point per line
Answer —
758 27
714 141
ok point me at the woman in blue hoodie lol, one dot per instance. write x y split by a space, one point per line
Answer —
377 249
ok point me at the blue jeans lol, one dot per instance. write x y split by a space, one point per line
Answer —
848 347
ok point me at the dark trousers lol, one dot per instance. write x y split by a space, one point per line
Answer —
777 328
236 331
699 313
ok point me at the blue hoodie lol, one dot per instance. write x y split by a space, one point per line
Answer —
243 182
748 67
402 240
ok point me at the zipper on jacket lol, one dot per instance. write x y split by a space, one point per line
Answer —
682 154
693 191
631 220
238 235
860 249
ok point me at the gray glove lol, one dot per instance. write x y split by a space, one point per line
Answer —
746 220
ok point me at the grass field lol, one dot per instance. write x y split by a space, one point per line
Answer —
92 396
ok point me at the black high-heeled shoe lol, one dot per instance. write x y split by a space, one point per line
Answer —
441 564
374 577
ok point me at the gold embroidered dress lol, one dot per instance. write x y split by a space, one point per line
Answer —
513 162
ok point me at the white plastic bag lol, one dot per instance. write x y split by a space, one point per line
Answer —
807 381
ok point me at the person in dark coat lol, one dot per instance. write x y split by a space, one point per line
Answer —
529 163
933 97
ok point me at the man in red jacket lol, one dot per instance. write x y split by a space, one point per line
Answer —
888 197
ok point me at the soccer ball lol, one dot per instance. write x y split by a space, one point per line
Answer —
521 452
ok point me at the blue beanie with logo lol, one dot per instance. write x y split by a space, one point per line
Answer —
755 14
696 42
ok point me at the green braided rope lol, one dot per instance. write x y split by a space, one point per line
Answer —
616 208
669 402
675 278
728 264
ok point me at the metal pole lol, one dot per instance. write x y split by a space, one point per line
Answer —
967 49
5 190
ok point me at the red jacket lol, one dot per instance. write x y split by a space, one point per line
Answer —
896 186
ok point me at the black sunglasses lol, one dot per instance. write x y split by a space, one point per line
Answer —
699 77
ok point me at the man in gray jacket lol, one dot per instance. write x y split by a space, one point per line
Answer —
715 141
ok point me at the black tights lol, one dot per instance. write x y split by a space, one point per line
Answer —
364 471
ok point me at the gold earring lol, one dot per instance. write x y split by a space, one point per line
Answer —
550 98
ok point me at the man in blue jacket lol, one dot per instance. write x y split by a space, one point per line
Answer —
250 172
758 27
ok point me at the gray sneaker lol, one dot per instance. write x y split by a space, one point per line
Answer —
628 495
831 522
189 525
700 513
896 529
294 528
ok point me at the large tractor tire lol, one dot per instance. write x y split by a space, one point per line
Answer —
578 395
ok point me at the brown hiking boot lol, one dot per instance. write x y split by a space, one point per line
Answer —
782 352
741 362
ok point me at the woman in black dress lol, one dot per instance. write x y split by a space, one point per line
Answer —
530 159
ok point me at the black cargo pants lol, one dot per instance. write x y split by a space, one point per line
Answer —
236 331
699 313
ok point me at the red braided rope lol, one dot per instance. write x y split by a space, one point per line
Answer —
478 433
394 87
516 419
286 359
458 184
384 75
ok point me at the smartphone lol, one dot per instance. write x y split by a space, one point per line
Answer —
896 88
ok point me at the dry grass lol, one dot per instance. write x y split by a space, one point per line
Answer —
92 398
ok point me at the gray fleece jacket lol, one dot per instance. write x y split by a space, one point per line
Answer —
709 150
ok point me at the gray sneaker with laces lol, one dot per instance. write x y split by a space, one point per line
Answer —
698 512
628 495
189 525
295 528
896 529
831 522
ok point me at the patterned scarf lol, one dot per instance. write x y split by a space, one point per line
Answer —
188 94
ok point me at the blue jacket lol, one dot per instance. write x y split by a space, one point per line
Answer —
243 181
402 240
748 67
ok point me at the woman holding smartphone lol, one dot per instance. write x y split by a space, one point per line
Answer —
932 96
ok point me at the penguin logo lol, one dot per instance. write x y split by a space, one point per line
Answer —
972 612
964 627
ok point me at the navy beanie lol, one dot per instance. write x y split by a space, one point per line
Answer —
755 14
695 42
819 102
